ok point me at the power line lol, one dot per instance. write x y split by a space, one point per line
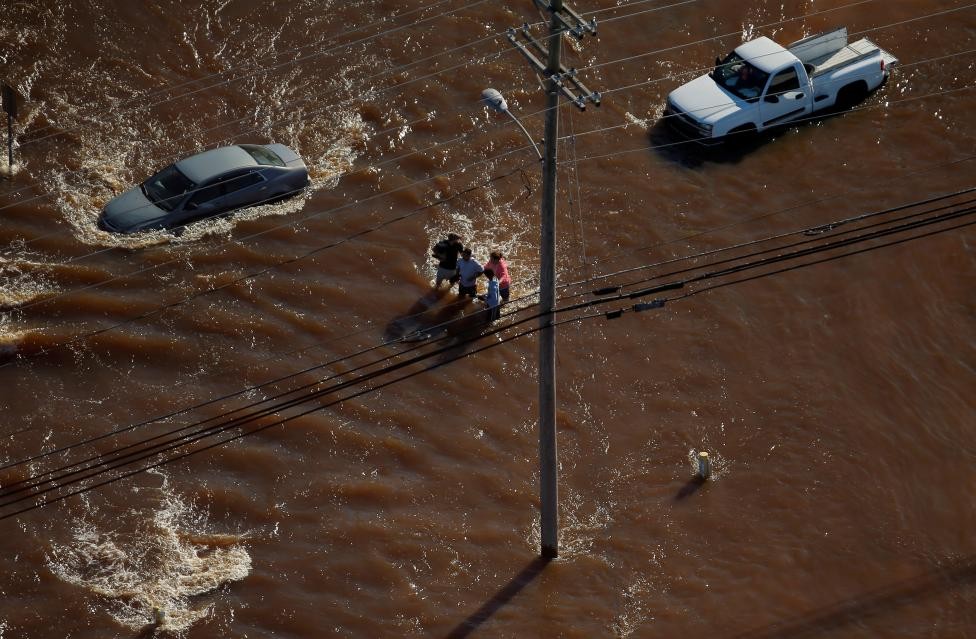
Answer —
494 343
816 116
828 259
300 257
465 136
622 59
158 310
385 72
252 275
306 100
116 278
831 245
806 231
275 67
906 219
503 52
816 230
781 22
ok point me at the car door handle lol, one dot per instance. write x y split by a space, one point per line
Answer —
799 96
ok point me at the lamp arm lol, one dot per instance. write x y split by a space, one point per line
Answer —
526 132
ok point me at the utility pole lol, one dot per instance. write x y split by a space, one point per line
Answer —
563 19
548 463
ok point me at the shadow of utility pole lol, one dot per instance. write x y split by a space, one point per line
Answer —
502 597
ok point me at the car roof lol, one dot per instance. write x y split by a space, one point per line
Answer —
209 164
765 54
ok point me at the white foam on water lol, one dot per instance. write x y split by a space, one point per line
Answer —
163 556
633 119
635 613
23 280
580 525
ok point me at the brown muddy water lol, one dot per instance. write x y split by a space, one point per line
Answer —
255 453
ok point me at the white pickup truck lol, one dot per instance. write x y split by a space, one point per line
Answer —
762 84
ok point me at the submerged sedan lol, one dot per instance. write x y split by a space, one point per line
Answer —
205 185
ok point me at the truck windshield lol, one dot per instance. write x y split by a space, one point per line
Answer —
738 77
166 188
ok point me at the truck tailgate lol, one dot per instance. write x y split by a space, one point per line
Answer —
888 58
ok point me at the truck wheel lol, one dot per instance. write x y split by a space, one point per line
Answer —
852 95
741 133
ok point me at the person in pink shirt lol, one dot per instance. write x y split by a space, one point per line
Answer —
496 262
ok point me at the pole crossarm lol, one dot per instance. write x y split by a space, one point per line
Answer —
577 93
571 21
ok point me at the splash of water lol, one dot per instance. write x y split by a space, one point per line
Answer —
166 560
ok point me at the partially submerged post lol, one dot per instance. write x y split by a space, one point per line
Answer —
704 466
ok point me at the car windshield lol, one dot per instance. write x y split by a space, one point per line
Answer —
166 188
739 77
262 155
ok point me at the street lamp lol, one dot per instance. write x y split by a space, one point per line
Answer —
495 101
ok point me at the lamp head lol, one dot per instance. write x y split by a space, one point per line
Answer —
494 100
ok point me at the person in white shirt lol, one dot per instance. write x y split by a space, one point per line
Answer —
469 270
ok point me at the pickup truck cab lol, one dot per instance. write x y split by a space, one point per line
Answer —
761 85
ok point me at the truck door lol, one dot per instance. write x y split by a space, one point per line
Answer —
785 99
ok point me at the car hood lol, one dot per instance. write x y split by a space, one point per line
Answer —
130 212
704 100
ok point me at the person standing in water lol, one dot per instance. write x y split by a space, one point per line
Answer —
492 296
496 262
469 270
446 251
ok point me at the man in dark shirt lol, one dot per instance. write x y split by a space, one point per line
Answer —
446 251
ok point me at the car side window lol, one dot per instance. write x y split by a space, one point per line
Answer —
784 81
242 181
208 193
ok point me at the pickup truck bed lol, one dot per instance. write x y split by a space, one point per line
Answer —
819 54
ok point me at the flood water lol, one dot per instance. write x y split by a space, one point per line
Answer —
221 433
